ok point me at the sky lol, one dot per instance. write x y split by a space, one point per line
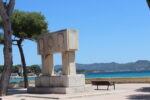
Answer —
109 30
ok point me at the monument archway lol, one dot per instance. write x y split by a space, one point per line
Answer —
64 42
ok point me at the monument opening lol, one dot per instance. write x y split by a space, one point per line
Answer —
58 64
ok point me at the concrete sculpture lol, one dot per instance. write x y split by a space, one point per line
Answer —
66 43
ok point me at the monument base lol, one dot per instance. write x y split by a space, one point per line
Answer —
64 84
56 90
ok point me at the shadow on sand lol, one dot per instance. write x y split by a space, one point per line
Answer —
16 91
23 94
141 96
144 89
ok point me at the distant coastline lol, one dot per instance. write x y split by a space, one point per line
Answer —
104 75
140 65
108 72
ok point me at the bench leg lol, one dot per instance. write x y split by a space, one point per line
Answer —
97 87
108 87
114 87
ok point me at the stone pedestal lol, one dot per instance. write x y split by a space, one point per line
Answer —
68 63
47 65
64 84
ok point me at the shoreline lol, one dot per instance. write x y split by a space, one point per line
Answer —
120 80
88 81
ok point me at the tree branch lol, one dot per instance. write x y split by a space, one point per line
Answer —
15 40
2 11
10 7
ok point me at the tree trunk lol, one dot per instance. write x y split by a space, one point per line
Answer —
6 15
19 43
7 59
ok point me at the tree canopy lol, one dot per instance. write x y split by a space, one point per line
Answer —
28 25
35 69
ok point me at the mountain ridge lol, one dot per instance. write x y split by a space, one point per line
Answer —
139 65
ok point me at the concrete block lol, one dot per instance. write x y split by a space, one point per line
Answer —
60 81
56 90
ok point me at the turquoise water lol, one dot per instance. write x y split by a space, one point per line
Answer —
104 75
21 79
119 74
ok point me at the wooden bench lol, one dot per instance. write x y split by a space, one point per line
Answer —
107 83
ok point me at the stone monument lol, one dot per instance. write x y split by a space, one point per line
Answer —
66 43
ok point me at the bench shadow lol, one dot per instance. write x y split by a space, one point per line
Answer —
23 94
141 96
38 97
101 89
143 89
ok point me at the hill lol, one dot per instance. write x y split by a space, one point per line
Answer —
140 65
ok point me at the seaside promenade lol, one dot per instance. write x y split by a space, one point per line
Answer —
132 91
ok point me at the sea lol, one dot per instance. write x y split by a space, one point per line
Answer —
125 74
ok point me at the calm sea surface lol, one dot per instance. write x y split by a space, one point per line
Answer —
104 75
119 74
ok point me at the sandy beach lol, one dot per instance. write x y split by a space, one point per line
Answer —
132 91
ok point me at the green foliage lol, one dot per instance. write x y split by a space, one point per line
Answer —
1 39
30 69
15 69
35 69
1 68
28 25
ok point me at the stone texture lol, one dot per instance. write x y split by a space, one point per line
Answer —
68 63
41 45
72 44
56 90
59 84
57 42
47 65
60 81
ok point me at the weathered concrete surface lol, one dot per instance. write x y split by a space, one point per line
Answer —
58 42
59 84
60 81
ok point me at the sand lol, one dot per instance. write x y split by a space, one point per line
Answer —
130 91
